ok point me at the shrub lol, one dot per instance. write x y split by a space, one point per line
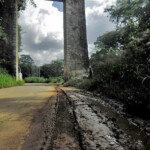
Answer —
126 79
56 80
35 80
72 82
88 84
53 80
20 82
7 81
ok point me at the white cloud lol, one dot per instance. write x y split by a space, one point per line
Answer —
97 21
42 36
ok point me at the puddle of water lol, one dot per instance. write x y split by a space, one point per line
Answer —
129 129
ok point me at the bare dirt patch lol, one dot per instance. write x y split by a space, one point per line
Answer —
53 127
18 106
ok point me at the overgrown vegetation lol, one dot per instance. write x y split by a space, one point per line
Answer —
7 80
121 66
44 80
59 79
53 69
50 73
35 80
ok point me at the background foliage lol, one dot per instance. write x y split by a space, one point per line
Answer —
52 72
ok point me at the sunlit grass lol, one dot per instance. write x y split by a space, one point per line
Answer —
7 80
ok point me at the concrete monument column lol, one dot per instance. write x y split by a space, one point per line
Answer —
75 40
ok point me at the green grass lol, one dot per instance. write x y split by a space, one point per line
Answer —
7 80
20 82
56 80
44 80
35 80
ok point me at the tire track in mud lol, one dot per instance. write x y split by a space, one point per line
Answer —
54 126
65 136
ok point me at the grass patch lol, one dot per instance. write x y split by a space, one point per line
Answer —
7 80
56 80
44 80
20 82
35 80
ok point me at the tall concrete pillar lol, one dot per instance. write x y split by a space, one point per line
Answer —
9 15
75 40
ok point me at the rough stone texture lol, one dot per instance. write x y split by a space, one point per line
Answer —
8 13
75 40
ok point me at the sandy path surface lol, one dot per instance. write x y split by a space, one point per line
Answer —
18 106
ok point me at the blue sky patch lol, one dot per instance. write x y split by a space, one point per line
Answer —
58 5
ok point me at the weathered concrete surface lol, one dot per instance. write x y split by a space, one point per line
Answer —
18 107
75 41
9 15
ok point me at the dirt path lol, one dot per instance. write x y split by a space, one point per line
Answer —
18 106
43 117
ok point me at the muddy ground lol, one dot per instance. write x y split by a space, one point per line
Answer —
77 121
71 119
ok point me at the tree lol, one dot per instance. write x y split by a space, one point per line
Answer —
26 59
109 40
132 16
54 69
126 79
22 4
26 65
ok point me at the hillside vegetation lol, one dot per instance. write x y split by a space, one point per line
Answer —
7 80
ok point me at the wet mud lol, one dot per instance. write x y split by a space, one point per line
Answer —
102 128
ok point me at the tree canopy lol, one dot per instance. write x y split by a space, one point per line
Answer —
122 61
54 69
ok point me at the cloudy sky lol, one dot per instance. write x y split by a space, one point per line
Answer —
42 35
